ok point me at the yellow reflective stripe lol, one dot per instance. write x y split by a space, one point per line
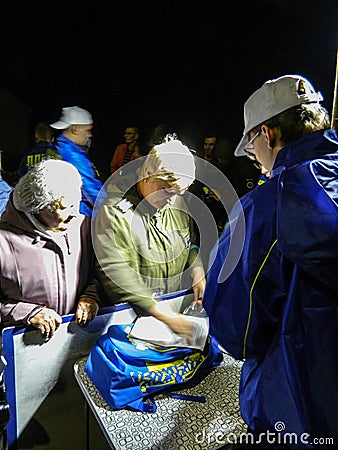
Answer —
34 159
251 291
37 158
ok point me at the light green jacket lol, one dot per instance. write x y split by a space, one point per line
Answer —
141 250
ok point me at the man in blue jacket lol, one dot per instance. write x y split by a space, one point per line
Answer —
272 284
76 125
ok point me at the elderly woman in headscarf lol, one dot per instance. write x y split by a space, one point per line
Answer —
144 236
46 254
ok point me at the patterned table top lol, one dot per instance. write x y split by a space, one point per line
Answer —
177 424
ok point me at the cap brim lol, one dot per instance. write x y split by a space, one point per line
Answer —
239 151
59 125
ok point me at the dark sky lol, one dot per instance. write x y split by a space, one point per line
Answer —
189 65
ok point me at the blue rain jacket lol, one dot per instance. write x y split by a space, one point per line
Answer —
5 190
91 183
272 293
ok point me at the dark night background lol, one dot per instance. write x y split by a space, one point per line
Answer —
189 65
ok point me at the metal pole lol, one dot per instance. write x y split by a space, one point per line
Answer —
334 117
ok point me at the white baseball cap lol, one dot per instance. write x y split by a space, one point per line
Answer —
72 115
274 97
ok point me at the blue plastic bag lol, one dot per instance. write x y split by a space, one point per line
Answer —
128 375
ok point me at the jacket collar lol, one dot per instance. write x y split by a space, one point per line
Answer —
312 146
19 220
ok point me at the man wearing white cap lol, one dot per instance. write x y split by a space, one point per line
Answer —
76 125
274 305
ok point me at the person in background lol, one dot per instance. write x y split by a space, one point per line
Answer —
43 148
72 144
276 309
144 236
46 255
206 172
128 151
209 150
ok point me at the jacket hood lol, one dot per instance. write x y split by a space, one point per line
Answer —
17 219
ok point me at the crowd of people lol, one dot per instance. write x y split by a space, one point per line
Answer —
267 281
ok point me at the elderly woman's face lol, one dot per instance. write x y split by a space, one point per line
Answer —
159 193
65 210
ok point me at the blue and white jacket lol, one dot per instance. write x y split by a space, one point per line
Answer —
91 183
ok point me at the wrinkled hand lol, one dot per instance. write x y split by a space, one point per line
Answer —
86 311
47 321
198 283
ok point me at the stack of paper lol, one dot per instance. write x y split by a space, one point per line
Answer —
154 331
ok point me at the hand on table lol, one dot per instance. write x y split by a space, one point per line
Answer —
47 321
86 310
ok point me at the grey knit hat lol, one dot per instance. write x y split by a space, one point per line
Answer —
44 184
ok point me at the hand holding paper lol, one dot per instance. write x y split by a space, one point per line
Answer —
154 331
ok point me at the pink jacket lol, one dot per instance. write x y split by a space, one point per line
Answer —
36 272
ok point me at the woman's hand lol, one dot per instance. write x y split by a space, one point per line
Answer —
198 283
178 323
86 311
47 321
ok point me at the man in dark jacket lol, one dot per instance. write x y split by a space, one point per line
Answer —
43 148
272 288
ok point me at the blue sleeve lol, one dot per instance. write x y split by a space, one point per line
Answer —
246 278
308 197
91 182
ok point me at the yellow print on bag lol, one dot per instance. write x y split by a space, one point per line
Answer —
170 373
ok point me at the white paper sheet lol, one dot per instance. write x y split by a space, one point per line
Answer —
154 331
